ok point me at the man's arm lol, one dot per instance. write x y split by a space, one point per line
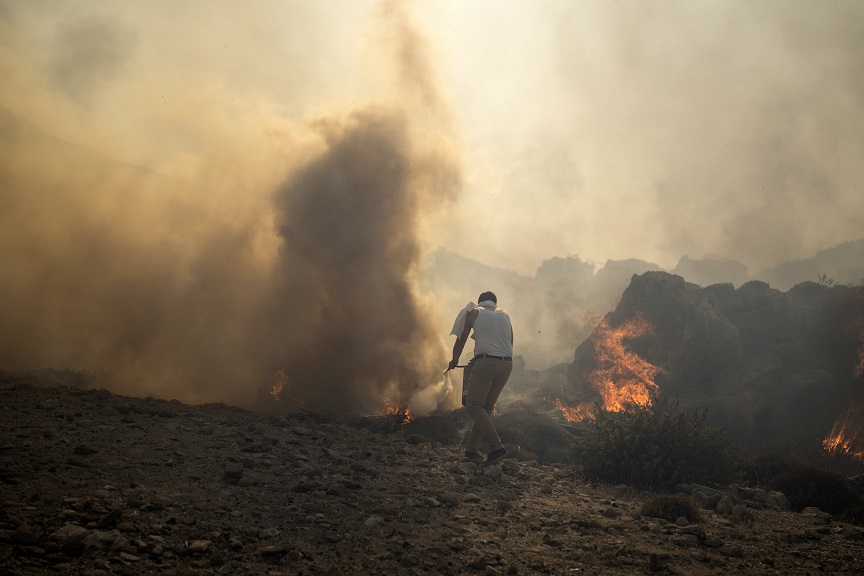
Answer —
459 345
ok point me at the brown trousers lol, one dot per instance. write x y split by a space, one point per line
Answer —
485 385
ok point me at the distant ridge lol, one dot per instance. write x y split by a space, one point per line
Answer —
843 263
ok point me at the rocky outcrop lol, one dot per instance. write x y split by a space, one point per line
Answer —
773 367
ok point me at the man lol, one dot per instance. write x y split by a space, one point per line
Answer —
492 365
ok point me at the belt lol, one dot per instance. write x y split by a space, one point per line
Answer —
504 358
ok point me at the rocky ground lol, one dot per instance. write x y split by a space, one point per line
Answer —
94 483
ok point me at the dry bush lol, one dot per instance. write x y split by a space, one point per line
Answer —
806 485
671 507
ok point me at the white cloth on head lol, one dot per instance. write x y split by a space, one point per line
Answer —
459 324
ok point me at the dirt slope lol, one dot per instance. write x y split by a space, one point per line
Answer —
93 483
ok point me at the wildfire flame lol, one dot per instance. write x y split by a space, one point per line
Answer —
280 387
398 409
623 378
847 435
580 413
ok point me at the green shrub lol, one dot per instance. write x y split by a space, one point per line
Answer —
655 447
806 485
671 507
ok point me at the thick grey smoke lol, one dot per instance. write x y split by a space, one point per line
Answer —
349 223
259 245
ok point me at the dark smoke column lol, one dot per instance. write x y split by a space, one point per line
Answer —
354 330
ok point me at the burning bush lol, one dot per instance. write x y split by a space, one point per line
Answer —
655 447
671 507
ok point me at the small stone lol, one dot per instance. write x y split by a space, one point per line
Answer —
199 546
128 557
599 524
69 533
109 519
686 540
450 498
741 514
277 550
725 506
492 472
373 521
233 470
695 530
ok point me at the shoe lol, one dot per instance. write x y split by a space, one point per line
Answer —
472 457
496 456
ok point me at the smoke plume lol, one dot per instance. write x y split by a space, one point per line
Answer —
193 248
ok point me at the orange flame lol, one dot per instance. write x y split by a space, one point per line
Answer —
623 379
280 387
847 434
580 413
398 409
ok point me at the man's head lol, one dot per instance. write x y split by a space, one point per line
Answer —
488 296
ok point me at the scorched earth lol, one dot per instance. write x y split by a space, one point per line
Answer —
94 483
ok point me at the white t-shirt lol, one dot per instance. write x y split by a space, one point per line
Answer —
493 333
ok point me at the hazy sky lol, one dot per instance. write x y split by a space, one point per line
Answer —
724 129
154 147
